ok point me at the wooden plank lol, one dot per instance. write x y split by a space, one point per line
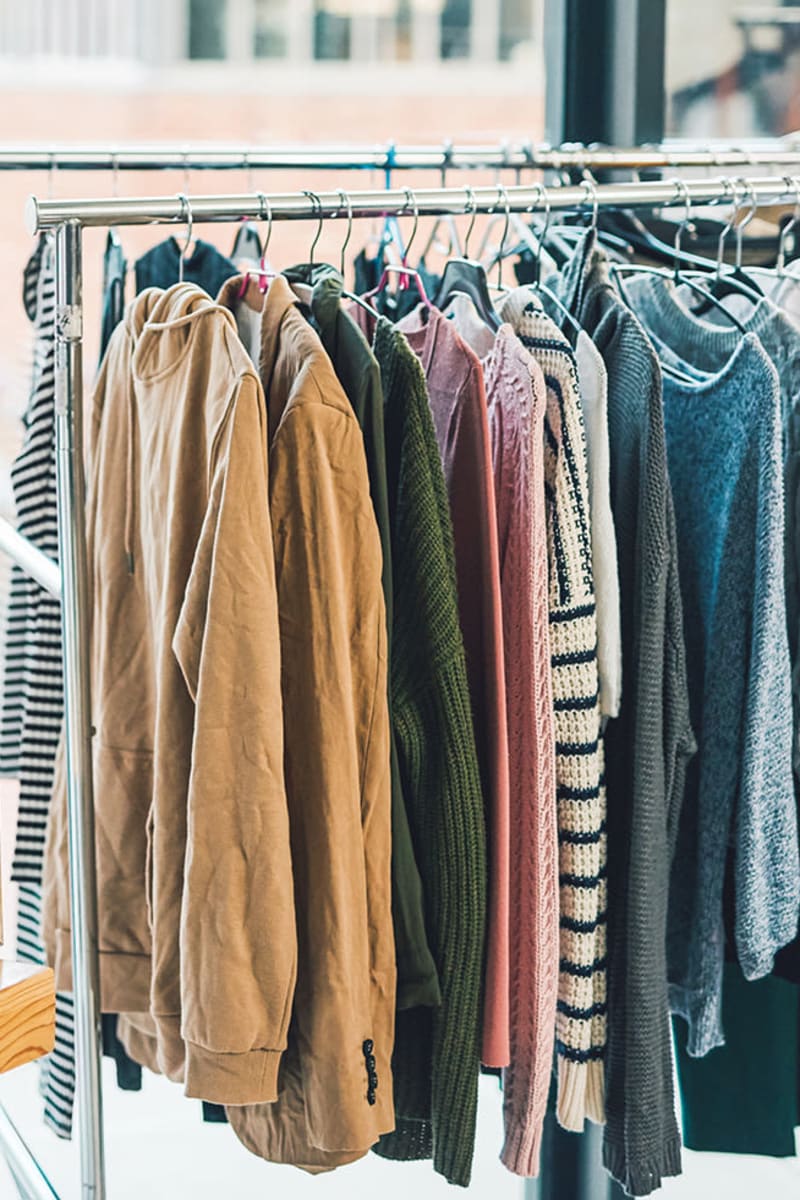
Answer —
27 1013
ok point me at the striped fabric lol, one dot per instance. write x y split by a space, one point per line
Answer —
32 711
581 1009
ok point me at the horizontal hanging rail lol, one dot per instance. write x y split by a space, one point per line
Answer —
301 206
783 152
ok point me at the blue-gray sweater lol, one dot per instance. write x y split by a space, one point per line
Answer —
724 445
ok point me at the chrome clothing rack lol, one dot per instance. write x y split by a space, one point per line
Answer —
519 156
67 219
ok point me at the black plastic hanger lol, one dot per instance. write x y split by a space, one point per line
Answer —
468 277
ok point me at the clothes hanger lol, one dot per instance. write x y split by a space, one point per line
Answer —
359 300
247 238
261 273
676 276
792 181
467 277
736 282
537 287
186 215
453 247
402 268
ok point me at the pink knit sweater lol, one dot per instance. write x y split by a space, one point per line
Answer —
517 399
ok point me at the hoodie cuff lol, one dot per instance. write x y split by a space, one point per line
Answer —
248 1078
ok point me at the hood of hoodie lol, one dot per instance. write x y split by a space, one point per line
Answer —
162 324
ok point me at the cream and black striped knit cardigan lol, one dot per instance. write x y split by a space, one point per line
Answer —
580 786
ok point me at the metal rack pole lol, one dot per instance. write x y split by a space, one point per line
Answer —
784 152
32 1183
77 710
300 206
68 219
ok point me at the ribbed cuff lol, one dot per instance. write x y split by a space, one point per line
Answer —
247 1078
522 1148
581 1093
642 1177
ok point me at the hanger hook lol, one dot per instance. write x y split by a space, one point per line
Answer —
682 191
472 209
265 214
502 193
315 200
589 185
792 183
186 215
345 198
543 198
749 190
411 200
730 187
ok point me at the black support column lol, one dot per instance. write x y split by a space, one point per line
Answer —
605 71
604 83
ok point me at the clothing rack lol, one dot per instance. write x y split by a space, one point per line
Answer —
67 219
777 152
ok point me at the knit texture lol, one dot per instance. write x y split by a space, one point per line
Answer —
437 1051
702 346
517 400
580 1025
763 914
594 404
458 405
647 746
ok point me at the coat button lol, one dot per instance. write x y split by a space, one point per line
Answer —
371 1063
368 1046
371 1098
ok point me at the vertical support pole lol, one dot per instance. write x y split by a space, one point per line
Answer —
77 711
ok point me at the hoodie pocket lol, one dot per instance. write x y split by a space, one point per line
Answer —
123 801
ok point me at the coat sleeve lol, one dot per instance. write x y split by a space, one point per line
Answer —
237 924
336 720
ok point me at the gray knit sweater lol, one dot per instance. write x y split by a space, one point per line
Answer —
647 746
727 432
705 346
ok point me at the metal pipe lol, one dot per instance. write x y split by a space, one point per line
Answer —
30 558
783 152
77 710
300 206
31 1180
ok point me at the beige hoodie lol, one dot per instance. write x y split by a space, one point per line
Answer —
195 889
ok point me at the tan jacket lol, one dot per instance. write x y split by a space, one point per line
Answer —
196 906
336 721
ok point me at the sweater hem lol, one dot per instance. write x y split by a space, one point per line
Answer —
644 1176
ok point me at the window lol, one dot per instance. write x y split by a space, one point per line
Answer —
270 28
332 32
732 69
207 28
455 23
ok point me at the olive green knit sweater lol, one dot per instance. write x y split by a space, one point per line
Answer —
437 1051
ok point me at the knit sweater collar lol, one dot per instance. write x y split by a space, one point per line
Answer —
698 342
